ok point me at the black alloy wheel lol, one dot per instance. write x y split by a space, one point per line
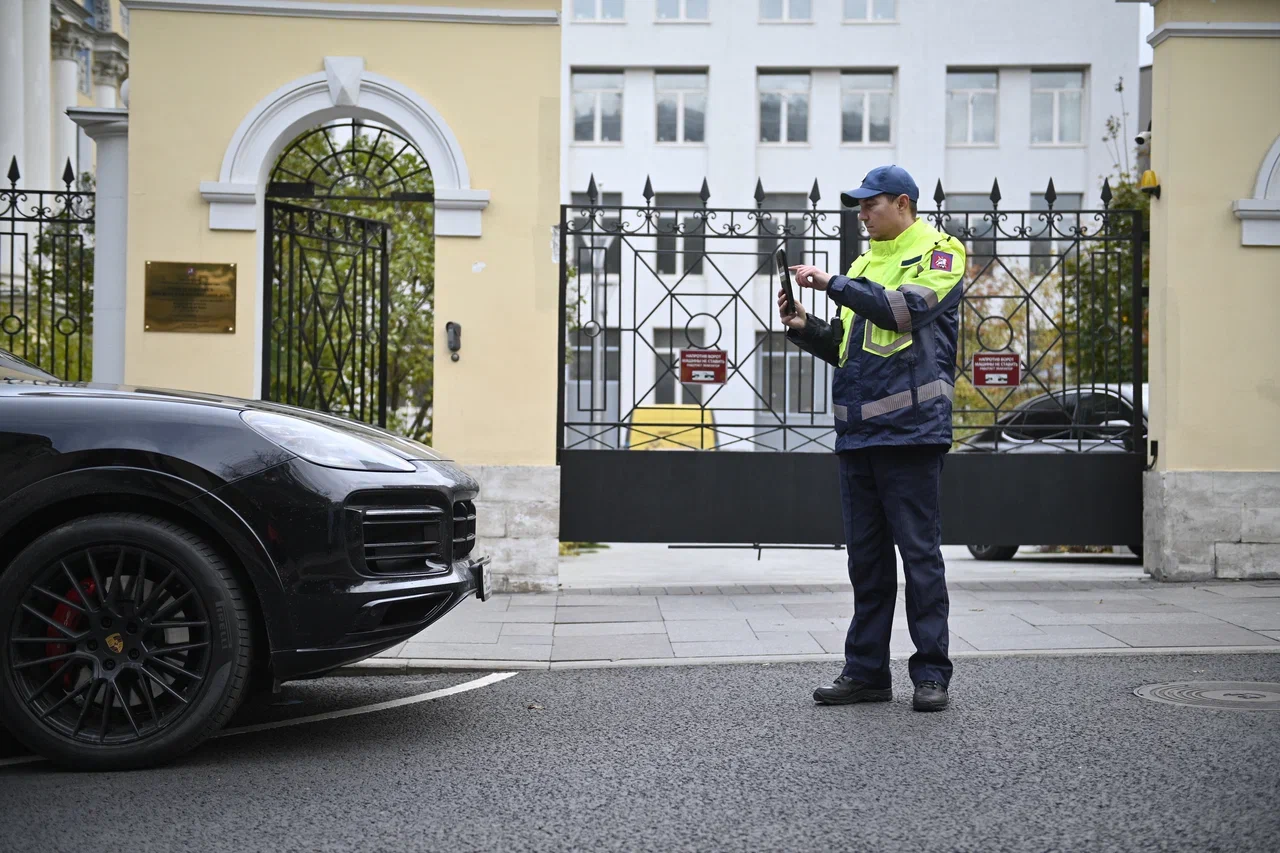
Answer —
126 643
993 552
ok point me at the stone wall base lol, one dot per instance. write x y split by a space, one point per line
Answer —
518 524
1211 524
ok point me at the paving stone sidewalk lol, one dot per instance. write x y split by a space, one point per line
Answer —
766 622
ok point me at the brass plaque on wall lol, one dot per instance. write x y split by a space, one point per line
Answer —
183 297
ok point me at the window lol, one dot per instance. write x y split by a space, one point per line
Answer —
969 225
866 107
595 358
788 379
870 10
1097 408
667 344
1057 99
597 10
598 252
784 107
783 225
597 107
1046 418
971 107
682 10
786 10
682 107
1051 242
681 235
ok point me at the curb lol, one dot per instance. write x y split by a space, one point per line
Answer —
419 666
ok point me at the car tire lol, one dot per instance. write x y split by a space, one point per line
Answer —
993 552
171 673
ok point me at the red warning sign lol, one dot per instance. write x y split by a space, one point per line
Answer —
704 366
997 369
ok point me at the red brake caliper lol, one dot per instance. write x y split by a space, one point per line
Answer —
70 619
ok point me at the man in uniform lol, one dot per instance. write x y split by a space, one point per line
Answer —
894 349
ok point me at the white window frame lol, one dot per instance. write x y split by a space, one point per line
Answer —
680 95
684 15
786 14
1057 110
866 112
597 114
969 143
870 19
595 19
782 129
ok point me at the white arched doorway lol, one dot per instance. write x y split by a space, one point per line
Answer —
343 90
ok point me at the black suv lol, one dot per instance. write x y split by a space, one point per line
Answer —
161 552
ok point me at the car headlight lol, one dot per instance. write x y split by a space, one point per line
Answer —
324 445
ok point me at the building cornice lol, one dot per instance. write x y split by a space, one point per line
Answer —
71 11
1220 29
352 11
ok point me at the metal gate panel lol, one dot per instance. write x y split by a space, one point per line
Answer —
1055 460
794 498
325 312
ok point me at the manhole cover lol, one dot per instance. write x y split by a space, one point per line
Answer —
1226 695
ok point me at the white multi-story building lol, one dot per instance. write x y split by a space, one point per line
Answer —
962 91
786 92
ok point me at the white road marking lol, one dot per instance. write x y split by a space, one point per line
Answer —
476 684
493 678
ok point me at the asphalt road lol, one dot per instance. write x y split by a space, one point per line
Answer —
1039 754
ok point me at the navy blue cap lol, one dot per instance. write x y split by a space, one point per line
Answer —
893 180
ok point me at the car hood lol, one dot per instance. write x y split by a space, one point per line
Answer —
403 447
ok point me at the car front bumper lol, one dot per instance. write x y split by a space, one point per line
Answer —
382 616
339 605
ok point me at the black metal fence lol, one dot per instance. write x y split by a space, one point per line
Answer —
1057 285
46 275
325 310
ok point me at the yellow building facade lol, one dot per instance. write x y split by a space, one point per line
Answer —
1212 502
216 92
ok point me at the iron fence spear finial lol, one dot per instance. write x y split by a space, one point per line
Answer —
592 192
938 195
14 174
759 194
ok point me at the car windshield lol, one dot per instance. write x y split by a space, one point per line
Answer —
12 367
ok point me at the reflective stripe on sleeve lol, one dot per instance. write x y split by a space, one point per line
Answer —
928 294
901 313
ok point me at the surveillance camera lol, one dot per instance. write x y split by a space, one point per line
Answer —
1143 138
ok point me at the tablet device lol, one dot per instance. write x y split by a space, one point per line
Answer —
784 275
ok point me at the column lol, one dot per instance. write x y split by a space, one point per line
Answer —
37 57
109 68
109 128
68 41
11 92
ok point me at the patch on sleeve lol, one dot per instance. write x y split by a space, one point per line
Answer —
940 261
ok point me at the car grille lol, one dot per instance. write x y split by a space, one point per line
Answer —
464 528
405 540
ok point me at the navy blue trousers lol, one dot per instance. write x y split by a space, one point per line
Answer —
892 495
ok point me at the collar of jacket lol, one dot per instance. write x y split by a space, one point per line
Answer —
895 246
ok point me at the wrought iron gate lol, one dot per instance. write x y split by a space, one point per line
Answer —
325 312
1054 459
46 275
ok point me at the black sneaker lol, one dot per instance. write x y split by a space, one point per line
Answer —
929 696
846 691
